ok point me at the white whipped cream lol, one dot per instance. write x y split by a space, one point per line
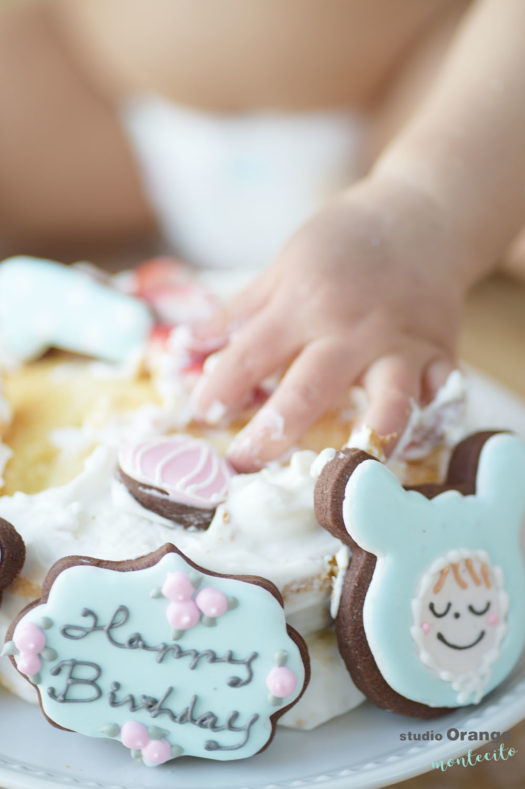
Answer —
440 423
321 461
274 507
266 526
342 559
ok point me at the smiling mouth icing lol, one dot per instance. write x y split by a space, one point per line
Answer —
442 638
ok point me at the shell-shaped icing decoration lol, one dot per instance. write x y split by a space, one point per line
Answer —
178 476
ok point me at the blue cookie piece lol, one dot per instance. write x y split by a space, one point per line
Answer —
161 655
48 305
432 613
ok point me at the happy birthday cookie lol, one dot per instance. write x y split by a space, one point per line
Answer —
432 611
161 655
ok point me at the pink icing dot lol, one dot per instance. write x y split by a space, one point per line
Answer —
134 735
493 619
157 752
178 586
425 627
28 637
281 682
29 663
211 602
182 614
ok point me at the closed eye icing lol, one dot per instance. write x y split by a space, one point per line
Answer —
479 613
443 613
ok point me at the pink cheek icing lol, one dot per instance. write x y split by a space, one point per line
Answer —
493 619
426 627
188 469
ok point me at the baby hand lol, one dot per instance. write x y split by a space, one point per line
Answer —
367 292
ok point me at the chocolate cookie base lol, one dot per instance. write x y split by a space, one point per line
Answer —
12 554
158 501
150 560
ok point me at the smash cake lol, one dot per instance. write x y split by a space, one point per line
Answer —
101 459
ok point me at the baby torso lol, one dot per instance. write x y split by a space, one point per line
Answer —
232 55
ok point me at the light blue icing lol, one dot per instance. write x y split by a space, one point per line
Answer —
256 624
45 304
408 532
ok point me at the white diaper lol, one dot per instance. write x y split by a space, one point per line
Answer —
229 190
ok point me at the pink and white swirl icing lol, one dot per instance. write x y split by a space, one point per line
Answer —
188 469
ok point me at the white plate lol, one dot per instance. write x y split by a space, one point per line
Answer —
359 750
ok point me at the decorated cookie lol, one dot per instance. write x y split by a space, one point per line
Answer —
174 295
432 612
12 554
179 477
161 655
47 305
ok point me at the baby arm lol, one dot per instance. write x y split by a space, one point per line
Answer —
68 182
370 290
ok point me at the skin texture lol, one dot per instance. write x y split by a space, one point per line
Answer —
370 290
439 207
230 56
347 319
68 183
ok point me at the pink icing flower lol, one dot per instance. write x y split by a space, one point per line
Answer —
30 640
134 735
178 586
212 602
28 637
281 682
182 614
188 469
156 752
29 663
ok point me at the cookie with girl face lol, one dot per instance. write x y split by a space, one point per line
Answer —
432 612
